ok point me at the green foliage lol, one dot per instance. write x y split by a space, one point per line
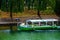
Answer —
41 4
20 5
50 6
28 3
51 3
57 7
0 3
17 5
3 7
49 10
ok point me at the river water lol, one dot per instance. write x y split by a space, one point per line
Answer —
30 35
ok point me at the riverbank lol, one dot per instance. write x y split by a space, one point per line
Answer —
23 17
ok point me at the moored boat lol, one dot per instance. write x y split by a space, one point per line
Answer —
39 24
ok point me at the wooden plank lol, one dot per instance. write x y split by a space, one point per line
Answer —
9 22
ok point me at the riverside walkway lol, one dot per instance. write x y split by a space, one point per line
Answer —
9 23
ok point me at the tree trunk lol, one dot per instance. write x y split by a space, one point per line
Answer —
7 6
11 27
57 8
29 6
0 3
38 13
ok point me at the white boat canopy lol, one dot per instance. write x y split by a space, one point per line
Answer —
41 20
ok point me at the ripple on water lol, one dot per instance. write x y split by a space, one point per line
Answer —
32 35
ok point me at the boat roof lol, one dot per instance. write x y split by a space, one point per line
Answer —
41 20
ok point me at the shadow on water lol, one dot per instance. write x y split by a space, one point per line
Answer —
39 31
36 31
12 32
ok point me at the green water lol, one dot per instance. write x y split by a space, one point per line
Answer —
32 35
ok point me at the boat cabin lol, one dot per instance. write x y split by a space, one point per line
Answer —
42 22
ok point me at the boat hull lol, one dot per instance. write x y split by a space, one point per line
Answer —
37 28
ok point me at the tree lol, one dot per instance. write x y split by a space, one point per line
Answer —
32 4
28 4
20 5
7 5
11 15
3 5
41 5
57 8
0 3
38 10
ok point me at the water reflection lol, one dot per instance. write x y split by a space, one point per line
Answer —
31 35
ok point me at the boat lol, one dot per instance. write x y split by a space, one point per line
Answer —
38 24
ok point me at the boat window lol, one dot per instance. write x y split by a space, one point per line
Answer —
42 23
36 23
29 23
58 23
49 23
55 23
